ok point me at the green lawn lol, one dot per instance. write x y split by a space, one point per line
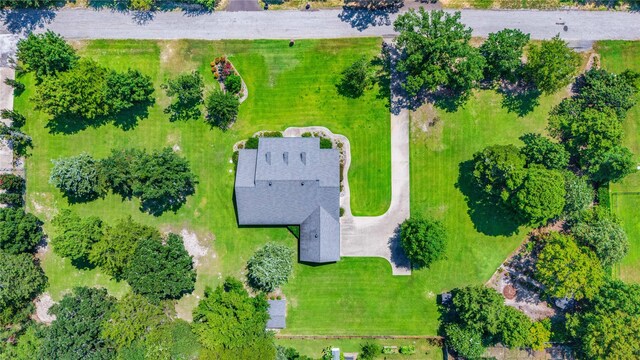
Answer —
313 348
618 56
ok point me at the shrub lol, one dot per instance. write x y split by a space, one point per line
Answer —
22 281
141 5
187 92
17 120
270 267
326 143
423 240
233 84
222 109
355 79
12 183
407 349
12 200
19 231
370 350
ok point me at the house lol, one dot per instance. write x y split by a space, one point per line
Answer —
291 181
277 314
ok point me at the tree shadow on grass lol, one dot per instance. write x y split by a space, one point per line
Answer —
125 120
183 112
520 99
488 216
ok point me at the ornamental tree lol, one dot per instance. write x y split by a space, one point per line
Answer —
552 64
161 271
222 109
45 54
230 323
424 240
75 236
503 54
76 332
19 231
233 84
187 91
542 151
21 281
78 177
355 79
567 270
270 267
541 196
436 52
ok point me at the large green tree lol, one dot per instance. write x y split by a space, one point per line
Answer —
45 54
551 64
231 325
161 271
503 54
567 270
21 280
355 79
270 267
19 231
612 165
541 196
540 150
76 332
579 194
78 177
115 249
75 235
499 170
601 231
607 328
424 240
132 319
187 91
600 89
222 109
436 52
465 341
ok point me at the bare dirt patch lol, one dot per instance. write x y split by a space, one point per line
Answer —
43 303
43 205
427 127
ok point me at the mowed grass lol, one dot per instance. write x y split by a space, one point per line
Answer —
618 56
287 87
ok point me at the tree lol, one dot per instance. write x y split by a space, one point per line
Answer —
424 240
78 177
45 54
607 327
118 170
128 89
19 231
499 170
160 271
17 120
552 64
540 150
601 231
602 90
436 52
370 350
75 236
26 3
116 248
567 270
541 196
579 194
163 180
270 267
141 5
231 324
466 342
515 328
289 353
478 308
222 109
75 334
233 84
612 166
355 79
21 281
503 52
187 91
132 319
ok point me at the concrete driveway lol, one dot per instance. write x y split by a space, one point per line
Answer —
243 5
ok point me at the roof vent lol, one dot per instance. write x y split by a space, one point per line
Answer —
303 157
285 157
267 157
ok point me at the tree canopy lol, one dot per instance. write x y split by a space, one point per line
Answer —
355 79
424 240
78 177
231 324
503 54
76 332
567 270
602 90
601 231
161 271
540 150
499 170
436 52
541 196
75 236
579 194
187 91
19 231
45 54
21 281
270 267
552 64
132 319
222 109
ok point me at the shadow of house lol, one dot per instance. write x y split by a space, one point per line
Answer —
291 181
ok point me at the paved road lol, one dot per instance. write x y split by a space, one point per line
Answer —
86 23
243 5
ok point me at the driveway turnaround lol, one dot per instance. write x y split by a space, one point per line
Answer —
107 24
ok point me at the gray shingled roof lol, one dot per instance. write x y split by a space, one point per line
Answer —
291 181
277 314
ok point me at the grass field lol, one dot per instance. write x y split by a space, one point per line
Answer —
313 348
618 56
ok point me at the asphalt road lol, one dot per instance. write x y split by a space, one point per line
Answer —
93 24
